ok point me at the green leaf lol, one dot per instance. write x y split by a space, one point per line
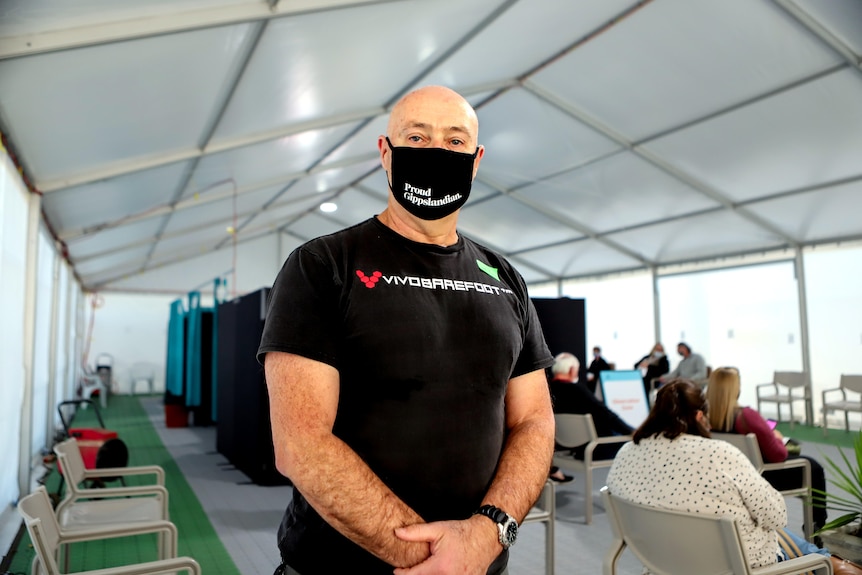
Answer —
840 522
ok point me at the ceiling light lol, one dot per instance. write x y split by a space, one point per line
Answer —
328 207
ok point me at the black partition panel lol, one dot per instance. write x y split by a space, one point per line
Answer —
244 434
564 325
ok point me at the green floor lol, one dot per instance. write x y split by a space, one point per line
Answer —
197 538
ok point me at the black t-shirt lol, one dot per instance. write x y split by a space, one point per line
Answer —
425 339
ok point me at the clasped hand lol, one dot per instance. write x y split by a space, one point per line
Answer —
464 547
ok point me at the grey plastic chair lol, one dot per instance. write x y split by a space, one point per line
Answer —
544 511
783 385
574 430
677 543
852 383
748 445
47 538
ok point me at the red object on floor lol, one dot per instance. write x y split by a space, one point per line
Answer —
176 416
89 442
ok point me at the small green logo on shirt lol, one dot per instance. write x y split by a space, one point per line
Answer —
488 270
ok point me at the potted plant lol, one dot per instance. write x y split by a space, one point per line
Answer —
843 536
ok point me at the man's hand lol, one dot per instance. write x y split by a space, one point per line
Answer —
465 547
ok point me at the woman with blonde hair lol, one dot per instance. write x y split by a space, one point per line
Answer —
726 415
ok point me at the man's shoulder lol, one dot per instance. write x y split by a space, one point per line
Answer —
336 238
492 256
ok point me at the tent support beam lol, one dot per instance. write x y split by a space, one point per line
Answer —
144 27
799 271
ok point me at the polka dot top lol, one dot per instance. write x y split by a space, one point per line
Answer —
699 475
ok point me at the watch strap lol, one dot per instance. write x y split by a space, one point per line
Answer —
495 513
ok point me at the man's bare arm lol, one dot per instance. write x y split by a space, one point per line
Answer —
469 546
529 449
303 396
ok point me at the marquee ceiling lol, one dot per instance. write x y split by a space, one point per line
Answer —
619 135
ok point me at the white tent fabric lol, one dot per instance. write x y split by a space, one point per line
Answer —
620 134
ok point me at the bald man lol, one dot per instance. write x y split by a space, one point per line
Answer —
405 369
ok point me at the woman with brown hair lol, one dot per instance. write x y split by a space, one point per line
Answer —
726 415
673 464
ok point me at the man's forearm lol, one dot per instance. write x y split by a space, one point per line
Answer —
523 467
354 501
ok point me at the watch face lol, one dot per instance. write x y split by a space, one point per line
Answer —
511 532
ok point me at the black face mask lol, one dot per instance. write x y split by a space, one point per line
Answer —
430 183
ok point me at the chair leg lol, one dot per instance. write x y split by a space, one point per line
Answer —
588 496
807 519
846 421
825 421
792 422
549 545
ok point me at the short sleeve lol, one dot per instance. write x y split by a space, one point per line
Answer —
302 313
534 353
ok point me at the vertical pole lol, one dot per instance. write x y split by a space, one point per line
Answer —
52 354
25 450
67 336
799 270
655 303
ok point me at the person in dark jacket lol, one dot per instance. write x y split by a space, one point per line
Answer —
570 396
597 366
656 365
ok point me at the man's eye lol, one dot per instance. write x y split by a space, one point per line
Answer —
414 138
457 142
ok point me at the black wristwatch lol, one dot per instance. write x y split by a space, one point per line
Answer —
506 524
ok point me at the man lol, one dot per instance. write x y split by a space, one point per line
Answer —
405 369
597 366
692 366
569 396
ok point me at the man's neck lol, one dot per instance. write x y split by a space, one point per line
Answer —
440 232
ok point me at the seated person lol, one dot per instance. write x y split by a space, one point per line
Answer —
597 366
692 365
569 396
672 464
726 415
656 365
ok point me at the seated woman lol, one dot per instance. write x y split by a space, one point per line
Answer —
655 364
672 464
726 415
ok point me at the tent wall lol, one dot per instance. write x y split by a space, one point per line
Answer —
132 328
744 315
48 341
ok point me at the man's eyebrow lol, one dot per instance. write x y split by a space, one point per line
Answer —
424 126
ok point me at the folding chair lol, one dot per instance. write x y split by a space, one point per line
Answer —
544 511
852 383
677 543
783 385
572 431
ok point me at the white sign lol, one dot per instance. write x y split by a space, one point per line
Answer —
623 393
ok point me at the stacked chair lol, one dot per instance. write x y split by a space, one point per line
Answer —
87 514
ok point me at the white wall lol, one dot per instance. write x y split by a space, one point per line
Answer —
132 328
834 295
745 317
619 316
